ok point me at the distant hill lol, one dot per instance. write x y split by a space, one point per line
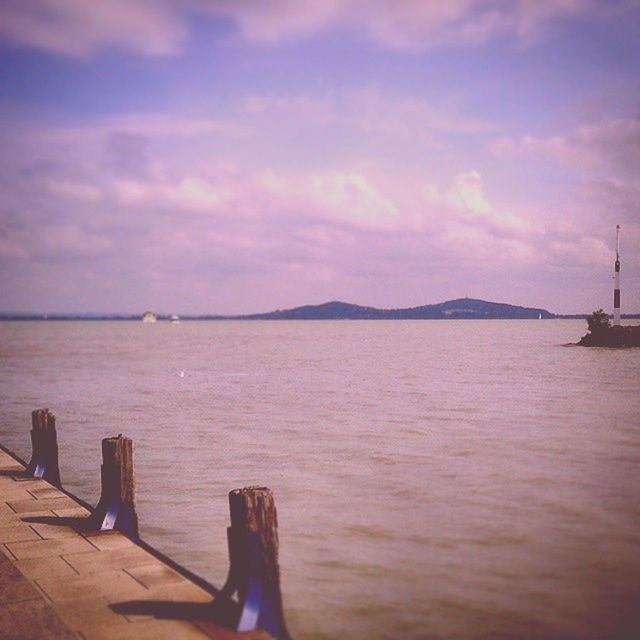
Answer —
462 308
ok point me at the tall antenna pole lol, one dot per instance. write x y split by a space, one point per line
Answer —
616 281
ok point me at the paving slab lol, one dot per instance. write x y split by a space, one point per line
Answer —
34 568
46 492
15 492
34 505
42 548
14 587
155 575
50 531
71 512
9 464
109 540
101 561
17 532
113 586
152 630
33 620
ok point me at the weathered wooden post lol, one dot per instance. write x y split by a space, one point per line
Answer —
253 553
116 507
44 447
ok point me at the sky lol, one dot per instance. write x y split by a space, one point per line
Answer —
237 156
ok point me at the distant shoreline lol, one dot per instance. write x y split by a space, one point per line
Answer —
458 309
162 318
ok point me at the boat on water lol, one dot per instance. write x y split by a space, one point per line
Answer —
149 316
174 319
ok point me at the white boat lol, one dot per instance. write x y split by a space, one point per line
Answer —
149 316
174 319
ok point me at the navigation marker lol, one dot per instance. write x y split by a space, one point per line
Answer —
616 281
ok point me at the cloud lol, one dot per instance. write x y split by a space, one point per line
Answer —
614 199
582 250
375 111
369 112
78 28
189 194
611 145
305 109
603 163
348 197
127 153
340 198
466 201
207 224
68 237
272 21
74 190
132 132
405 25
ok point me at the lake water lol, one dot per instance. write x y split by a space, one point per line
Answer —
434 479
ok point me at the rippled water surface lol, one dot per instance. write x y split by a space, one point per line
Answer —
434 479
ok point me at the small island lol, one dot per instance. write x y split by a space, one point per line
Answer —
603 334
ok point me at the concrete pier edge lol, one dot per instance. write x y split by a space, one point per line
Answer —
170 562
139 622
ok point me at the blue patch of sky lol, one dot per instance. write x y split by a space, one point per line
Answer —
522 88
60 88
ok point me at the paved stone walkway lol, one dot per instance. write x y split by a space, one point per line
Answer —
58 582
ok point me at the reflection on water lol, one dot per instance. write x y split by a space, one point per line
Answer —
434 479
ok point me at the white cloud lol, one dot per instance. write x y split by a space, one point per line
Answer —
205 214
335 197
465 200
348 197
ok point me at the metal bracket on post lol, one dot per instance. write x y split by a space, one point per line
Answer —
254 573
44 447
116 507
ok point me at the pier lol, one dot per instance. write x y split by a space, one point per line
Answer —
66 571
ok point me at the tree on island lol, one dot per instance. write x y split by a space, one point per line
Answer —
598 322
603 334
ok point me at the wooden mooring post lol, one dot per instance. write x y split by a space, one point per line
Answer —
254 573
116 507
44 447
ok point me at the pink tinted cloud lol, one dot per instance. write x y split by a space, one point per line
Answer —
159 27
611 145
282 234
272 21
467 205
79 28
407 25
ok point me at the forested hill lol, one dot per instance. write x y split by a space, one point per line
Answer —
462 308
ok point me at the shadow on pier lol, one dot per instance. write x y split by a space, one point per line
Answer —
213 616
